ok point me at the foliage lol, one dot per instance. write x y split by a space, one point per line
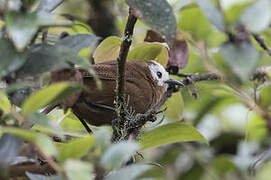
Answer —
229 116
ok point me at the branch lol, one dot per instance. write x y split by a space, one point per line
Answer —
192 78
125 45
261 74
262 43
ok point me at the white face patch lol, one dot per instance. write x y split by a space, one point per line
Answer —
159 73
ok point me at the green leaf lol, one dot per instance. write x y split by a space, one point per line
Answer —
21 27
50 58
158 14
107 50
256 128
234 12
53 58
48 5
131 172
242 58
17 86
223 164
49 95
212 13
11 60
4 103
265 98
78 42
263 172
39 119
78 170
118 154
170 133
150 51
175 107
193 21
46 145
102 138
26 134
44 142
71 124
75 148
257 17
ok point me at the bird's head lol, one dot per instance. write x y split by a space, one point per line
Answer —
159 74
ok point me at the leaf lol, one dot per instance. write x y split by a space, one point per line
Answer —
39 119
118 154
152 36
17 86
242 58
158 14
107 50
212 14
32 176
179 54
264 173
21 27
223 164
49 95
25 134
5 105
257 17
170 133
78 42
9 148
76 169
175 107
103 138
265 98
44 142
11 60
256 129
75 148
199 30
132 171
234 12
52 58
151 51
48 5
46 145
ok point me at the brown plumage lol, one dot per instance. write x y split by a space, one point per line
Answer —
97 106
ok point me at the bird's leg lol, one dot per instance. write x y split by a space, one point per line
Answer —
83 122
85 125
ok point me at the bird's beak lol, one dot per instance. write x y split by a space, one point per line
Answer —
174 82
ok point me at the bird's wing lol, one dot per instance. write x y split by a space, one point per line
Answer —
105 71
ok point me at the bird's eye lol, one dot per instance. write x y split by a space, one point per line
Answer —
159 74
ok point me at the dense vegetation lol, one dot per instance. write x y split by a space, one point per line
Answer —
217 126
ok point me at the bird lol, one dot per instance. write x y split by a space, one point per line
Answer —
145 83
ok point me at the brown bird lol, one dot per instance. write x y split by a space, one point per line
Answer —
146 82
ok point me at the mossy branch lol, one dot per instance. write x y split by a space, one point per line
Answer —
120 85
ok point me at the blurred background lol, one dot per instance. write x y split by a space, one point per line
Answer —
239 140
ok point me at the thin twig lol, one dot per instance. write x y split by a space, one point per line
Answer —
262 43
49 159
191 78
125 45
